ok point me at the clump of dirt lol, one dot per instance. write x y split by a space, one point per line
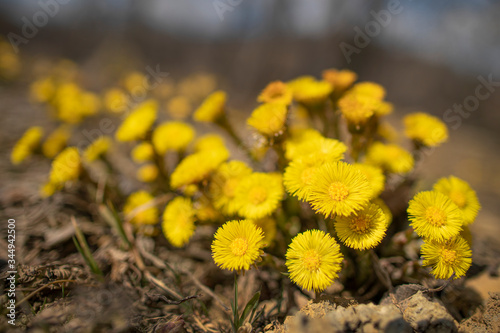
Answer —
485 320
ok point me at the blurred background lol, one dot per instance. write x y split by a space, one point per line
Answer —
430 56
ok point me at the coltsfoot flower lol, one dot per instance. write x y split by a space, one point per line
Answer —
425 129
56 141
143 152
374 175
447 257
66 166
390 157
460 192
148 173
147 215
434 216
313 260
269 119
362 230
276 92
172 136
212 107
340 80
25 146
178 221
96 149
237 245
138 122
339 189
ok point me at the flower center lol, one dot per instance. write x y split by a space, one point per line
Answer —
257 195
239 246
448 256
306 175
311 260
230 187
360 224
458 197
338 191
435 216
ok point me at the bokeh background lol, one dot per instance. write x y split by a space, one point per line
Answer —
429 56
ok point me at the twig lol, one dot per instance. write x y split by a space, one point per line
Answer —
169 301
381 273
161 285
42 288
156 201
446 283
206 289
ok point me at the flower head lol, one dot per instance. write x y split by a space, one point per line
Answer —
143 152
138 122
340 80
25 146
434 216
269 119
143 215
390 157
356 108
116 100
308 91
178 221
338 189
447 257
313 260
224 183
369 89
374 175
237 245
209 142
179 107
56 141
66 166
212 107
147 173
276 92
298 176
258 195
460 192
197 167
268 226
362 230
97 148
425 129
172 136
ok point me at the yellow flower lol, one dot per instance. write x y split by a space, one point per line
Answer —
390 157
383 109
148 214
258 195
135 81
357 109
386 131
179 107
178 221
97 148
209 142
172 136
313 260
147 173
298 175
308 91
66 166
447 257
339 188
197 167
237 245
387 212
340 80
143 152
297 137
276 92
56 141
375 177
43 90
434 216
224 183
362 230
48 189
212 107
425 129
460 192
116 100
268 226
269 119
25 146
319 149
72 104
369 89
138 122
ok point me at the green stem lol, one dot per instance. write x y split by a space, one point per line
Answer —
235 314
